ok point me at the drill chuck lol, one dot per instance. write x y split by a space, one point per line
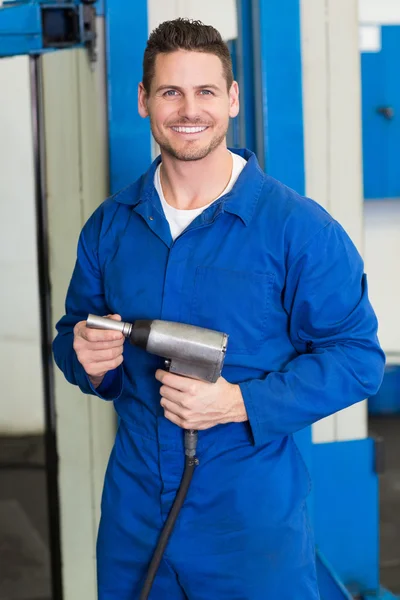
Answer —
95 322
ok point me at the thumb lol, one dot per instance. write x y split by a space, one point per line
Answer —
115 317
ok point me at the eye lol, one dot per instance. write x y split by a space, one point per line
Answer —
170 93
206 93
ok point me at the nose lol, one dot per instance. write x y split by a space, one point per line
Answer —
189 108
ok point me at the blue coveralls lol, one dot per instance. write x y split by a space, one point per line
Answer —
281 277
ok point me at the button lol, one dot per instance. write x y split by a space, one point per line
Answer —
151 218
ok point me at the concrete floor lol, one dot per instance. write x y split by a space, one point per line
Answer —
24 548
24 555
389 429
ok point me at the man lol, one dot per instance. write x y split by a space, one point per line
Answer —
206 238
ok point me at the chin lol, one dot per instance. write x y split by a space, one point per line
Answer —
194 154
190 151
187 154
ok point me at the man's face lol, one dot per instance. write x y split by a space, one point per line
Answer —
189 105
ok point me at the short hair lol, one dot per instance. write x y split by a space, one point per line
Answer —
185 34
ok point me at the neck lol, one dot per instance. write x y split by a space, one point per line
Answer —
192 184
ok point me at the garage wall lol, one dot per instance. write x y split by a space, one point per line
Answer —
382 217
21 400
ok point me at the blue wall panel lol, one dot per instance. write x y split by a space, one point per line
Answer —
129 134
100 7
330 586
346 516
387 400
381 136
276 26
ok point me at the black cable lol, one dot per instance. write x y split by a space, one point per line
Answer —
190 464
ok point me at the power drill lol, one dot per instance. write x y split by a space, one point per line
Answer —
189 351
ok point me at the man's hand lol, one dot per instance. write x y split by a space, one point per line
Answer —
98 350
194 404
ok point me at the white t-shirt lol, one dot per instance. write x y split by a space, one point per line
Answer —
179 219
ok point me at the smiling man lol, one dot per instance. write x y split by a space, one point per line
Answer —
206 238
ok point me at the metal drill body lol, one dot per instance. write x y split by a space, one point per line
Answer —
191 351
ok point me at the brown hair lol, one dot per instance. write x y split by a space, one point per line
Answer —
185 34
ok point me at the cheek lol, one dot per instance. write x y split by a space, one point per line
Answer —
161 115
222 118
221 112
166 115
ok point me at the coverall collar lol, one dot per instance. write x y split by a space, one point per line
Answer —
240 201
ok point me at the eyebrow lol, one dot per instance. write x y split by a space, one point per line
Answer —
210 86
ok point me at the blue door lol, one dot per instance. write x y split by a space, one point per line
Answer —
381 117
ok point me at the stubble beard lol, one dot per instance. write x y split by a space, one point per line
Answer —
189 154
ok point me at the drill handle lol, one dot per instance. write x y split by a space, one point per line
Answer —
191 435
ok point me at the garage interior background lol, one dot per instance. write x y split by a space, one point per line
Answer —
349 165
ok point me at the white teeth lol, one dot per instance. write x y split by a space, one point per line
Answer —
189 129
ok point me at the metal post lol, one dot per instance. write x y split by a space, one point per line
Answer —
46 331
246 78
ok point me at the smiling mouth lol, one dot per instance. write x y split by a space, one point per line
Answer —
189 129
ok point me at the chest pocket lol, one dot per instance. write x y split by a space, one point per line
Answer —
235 302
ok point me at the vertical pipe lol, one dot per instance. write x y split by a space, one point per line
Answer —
53 502
248 78
260 90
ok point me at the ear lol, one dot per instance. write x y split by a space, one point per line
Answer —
142 101
234 100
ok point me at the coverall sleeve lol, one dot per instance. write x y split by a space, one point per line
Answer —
85 295
333 328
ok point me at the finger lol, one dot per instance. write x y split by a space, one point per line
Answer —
107 345
96 350
180 421
99 335
176 409
175 396
93 334
98 368
114 317
185 424
102 355
183 384
173 418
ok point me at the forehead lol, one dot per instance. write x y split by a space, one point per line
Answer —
187 68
